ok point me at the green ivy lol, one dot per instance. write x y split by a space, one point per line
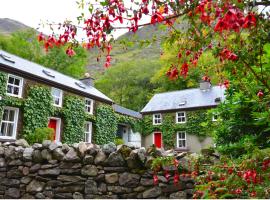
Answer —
198 123
74 119
106 125
3 85
38 108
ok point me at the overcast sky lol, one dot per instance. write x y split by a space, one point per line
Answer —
31 12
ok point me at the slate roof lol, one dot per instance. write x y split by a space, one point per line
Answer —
14 64
185 99
126 111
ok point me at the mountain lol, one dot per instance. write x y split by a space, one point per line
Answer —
8 26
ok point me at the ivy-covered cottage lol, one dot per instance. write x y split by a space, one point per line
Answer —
34 97
180 119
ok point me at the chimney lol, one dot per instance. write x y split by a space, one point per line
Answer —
205 85
88 80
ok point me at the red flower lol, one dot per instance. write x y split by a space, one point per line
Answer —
155 177
253 194
70 52
238 191
184 69
157 17
226 83
176 178
260 94
41 37
230 170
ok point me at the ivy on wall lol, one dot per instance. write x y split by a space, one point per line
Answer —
74 119
3 85
37 109
106 125
198 123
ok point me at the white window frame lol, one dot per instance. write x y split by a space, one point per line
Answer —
60 98
182 139
89 106
89 132
214 117
58 128
154 119
20 86
16 116
177 117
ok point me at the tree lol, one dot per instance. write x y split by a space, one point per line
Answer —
25 45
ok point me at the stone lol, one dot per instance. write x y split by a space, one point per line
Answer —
14 162
65 195
27 196
69 188
152 193
115 160
115 169
82 147
118 189
22 142
14 173
46 143
65 148
49 172
102 187
25 171
109 148
100 158
189 185
139 189
2 162
72 156
162 179
46 155
39 195
178 195
66 178
35 168
172 187
100 178
129 180
133 163
37 146
37 156
149 161
27 154
53 146
13 193
35 186
9 182
147 182
26 179
124 150
111 178
89 170
132 195
88 159
58 154
90 187
181 155
68 165
77 195
48 194
54 183
142 154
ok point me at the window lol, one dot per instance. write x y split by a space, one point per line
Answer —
14 86
89 103
181 139
157 119
214 117
9 123
88 132
181 117
57 95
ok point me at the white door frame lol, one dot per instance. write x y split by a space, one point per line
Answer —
58 128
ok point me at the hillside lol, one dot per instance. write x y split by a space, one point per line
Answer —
8 26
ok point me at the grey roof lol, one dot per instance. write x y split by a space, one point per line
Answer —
184 99
16 63
126 111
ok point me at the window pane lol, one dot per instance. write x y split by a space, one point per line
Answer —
86 139
17 82
56 92
5 115
11 116
3 128
16 90
11 80
9 130
9 89
184 143
56 101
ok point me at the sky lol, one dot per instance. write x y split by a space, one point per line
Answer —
32 12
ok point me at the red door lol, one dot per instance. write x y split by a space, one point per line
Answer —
158 140
53 125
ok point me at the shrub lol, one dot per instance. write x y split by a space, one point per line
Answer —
118 141
39 135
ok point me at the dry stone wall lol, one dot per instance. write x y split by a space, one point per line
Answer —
55 170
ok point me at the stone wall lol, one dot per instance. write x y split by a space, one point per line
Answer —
53 170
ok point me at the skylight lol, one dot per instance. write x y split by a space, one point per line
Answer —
7 58
80 85
182 103
218 99
48 73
